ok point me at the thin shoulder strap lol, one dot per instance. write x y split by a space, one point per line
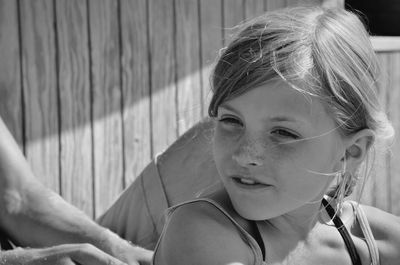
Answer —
367 232
251 241
355 258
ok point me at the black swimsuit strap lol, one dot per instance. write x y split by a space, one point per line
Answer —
259 240
355 258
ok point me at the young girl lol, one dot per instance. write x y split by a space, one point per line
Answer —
296 116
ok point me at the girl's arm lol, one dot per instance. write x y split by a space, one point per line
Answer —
197 233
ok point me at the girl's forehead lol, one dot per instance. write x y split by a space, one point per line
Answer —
277 100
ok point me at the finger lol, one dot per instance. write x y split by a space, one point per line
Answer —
47 256
90 255
144 256
147 256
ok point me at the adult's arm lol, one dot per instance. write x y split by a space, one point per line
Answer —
183 170
34 216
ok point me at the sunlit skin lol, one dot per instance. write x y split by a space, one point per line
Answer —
284 141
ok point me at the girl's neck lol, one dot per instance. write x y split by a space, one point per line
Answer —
299 222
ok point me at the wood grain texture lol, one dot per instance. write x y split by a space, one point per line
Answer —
332 3
163 71
106 103
211 42
40 90
233 13
136 87
188 64
10 74
254 8
303 2
276 4
271 5
75 104
393 108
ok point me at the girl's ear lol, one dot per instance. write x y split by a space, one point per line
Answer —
357 147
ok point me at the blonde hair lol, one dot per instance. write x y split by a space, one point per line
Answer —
324 53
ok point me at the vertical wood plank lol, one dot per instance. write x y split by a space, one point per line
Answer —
74 84
332 3
393 96
234 14
271 5
254 8
136 87
10 75
106 97
163 88
292 3
188 64
276 4
40 90
211 43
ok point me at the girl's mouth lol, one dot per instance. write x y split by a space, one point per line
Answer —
245 181
248 183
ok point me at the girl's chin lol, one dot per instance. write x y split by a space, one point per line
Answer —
253 210
255 214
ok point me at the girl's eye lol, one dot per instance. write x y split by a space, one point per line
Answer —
282 133
230 121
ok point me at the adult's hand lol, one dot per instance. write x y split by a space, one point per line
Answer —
134 255
34 216
68 254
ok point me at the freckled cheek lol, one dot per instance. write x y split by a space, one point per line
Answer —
292 173
273 153
293 161
284 163
222 147
281 151
306 163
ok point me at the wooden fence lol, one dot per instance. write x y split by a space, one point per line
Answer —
92 89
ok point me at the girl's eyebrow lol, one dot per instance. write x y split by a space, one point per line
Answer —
229 107
280 118
287 119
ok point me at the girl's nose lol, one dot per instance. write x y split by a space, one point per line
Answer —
248 154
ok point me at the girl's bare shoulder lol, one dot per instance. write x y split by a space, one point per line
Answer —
200 233
386 229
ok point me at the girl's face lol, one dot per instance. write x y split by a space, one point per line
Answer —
274 149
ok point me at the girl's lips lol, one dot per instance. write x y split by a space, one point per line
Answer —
248 183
